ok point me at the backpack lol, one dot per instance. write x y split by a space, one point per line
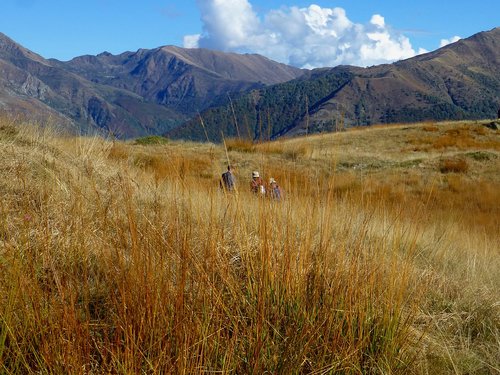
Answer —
228 181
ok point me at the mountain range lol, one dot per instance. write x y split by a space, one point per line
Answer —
458 81
131 94
168 90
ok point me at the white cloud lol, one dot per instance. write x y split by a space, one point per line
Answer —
378 20
445 42
228 24
191 41
304 37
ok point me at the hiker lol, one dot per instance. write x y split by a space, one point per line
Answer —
275 192
228 180
257 185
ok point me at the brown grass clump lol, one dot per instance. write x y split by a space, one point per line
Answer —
121 258
430 128
454 165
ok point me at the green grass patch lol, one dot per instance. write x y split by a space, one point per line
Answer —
481 155
151 140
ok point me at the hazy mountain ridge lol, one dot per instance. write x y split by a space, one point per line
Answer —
459 81
131 94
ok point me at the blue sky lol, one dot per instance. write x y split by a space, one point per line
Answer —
298 32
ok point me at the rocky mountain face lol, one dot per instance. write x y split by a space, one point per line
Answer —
459 81
131 94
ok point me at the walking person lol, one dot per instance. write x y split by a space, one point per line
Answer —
257 184
275 191
228 180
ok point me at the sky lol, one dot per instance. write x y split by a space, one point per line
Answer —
303 33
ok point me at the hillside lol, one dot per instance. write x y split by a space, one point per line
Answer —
131 94
459 81
121 257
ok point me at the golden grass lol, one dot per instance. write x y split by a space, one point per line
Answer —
122 258
430 128
463 137
240 144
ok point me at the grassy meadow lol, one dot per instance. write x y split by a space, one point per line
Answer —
125 257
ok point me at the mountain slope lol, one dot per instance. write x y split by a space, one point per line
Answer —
134 93
459 81
39 87
187 80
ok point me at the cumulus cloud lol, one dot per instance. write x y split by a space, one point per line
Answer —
191 41
305 37
445 42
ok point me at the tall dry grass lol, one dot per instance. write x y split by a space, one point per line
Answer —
128 259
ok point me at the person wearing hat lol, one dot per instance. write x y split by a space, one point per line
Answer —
274 190
257 185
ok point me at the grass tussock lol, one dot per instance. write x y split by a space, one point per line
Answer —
455 165
123 258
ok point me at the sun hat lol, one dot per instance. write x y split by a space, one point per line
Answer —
255 174
272 181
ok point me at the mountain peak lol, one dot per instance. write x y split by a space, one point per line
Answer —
133 93
5 39
246 67
10 49
7 45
